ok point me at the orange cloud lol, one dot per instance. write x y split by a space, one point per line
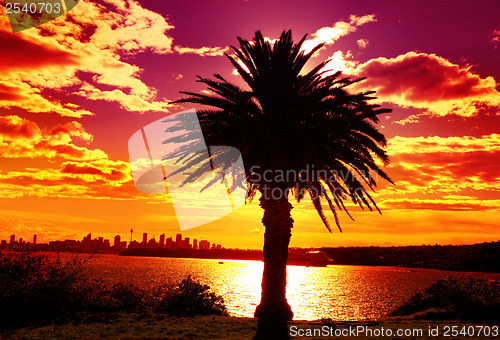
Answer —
451 203
462 144
28 64
65 133
105 169
91 39
443 173
476 169
15 127
19 93
91 179
67 170
23 138
429 82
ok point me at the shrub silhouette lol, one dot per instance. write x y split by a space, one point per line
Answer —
464 298
35 288
190 298
32 287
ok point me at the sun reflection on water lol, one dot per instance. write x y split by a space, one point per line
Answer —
336 292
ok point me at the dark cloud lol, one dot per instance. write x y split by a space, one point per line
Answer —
16 52
75 168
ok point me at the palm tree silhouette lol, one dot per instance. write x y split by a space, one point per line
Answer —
299 133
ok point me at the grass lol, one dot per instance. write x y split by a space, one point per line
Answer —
139 326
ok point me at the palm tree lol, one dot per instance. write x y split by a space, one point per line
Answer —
299 133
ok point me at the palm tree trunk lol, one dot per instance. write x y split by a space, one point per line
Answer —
278 223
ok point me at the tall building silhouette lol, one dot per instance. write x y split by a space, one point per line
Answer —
102 245
204 244
118 244
169 243
87 241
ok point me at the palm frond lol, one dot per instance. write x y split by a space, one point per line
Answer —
288 120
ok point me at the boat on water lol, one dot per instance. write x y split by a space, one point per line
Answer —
310 259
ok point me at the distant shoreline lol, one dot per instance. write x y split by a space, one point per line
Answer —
481 257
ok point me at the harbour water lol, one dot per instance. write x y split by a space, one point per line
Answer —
336 291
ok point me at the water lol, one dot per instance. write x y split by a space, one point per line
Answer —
337 292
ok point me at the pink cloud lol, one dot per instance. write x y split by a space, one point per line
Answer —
429 82
362 43
202 51
330 34
496 37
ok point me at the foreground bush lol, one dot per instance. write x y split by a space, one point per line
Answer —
34 287
191 298
462 298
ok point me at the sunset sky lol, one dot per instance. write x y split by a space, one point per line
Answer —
73 91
